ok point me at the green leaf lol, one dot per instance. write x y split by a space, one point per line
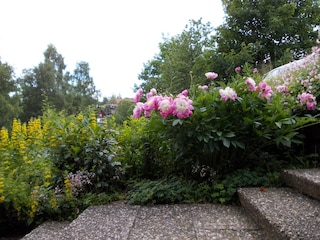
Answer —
247 120
219 133
258 123
286 143
203 109
238 144
75 150
287 121
176 121
226 142
230 134
291 135
279 124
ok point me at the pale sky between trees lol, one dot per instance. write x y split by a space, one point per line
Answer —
114 37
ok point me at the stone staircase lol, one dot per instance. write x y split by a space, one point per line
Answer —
291 212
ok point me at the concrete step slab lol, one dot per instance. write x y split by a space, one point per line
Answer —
113 221
306 181
282 212
180 221
47 230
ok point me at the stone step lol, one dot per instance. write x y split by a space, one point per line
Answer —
283 213
306 181
178 221
47 230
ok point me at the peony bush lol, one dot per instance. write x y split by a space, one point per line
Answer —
226 127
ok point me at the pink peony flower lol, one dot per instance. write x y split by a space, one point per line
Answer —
282 88
309 100
255 70
137 111
228 93
211 75
238 69
265 91
183 93
138 95
152 92
166 106
251 84
151 103
311 105
205 87
182 106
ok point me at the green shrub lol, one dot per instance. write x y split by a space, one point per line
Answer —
163 191
224 190
226 135
144 152
80 144
50 164
26 175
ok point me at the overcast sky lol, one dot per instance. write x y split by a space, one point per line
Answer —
114 37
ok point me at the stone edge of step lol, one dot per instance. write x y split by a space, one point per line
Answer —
301 180
284 220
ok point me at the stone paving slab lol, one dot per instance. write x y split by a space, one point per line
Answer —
182 221
163 222
224 222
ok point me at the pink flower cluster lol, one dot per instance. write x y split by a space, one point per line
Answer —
228 93
251 84
283 89
265 91
180 107
309 100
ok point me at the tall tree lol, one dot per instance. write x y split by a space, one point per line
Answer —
44 82
269 30
84 90
123 111
48 82
171 70
9 99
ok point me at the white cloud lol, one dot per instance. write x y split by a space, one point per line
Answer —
114 37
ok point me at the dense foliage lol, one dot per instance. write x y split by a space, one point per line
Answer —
231 126
9 101
264 34
24 97
259 32
49 82
50 163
